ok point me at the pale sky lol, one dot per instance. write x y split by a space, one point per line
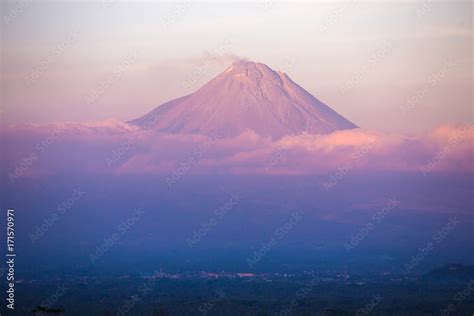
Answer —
394 66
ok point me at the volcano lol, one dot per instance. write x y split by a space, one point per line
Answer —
246 96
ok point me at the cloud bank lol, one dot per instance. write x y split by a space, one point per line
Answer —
114 147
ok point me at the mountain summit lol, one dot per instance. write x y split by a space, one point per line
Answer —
247 95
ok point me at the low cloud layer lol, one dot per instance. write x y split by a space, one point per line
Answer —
114 147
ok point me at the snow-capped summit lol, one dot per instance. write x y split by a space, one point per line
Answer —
247 95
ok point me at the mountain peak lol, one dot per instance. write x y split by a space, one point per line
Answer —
247 95
244 64
245 69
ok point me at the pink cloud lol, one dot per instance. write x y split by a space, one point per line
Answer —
117 148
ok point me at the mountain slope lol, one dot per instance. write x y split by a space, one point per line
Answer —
247 95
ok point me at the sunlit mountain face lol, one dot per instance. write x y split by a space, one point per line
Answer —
246 96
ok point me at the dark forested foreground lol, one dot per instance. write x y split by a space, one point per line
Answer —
445 291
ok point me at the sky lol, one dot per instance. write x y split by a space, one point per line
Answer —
72 72
391 66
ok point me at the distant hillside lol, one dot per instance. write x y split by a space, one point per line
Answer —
451 273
